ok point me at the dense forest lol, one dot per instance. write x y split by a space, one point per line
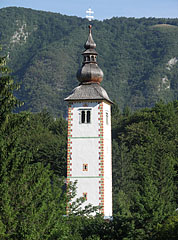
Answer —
33 166
139 60
139 57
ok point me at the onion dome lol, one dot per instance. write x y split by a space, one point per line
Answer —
90 72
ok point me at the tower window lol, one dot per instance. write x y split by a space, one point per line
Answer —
85 195
107 118
85 116
85 167
88 116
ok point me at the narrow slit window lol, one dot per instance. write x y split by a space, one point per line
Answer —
88 116
85 167
107 118
85 195
83 117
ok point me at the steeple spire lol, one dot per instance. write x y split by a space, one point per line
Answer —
90 44
90 72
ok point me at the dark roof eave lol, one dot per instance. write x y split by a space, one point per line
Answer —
88 99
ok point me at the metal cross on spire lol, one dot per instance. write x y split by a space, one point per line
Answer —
89 15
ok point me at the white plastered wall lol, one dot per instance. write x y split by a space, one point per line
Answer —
85 150
85 130
107 161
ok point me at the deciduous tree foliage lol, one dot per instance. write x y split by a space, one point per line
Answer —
32 199
7 86
46 138
145 167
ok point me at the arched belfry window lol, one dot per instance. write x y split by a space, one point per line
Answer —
85 116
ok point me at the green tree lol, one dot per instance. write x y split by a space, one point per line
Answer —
168 229
7 86
46 139
32 198
145 174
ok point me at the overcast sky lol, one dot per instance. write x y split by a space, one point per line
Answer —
102 8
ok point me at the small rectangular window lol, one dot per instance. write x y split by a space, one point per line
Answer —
85 116
85 167
85 195
107 118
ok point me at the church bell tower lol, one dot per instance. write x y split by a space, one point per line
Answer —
89 159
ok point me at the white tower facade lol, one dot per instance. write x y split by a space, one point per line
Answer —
89 160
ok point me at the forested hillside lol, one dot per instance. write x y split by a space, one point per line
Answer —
33 195
139 57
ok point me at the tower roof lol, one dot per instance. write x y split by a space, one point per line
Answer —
89 76
90 72
88 91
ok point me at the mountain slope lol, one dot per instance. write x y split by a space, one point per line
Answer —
138 57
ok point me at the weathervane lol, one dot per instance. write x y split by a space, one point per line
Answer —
89 14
